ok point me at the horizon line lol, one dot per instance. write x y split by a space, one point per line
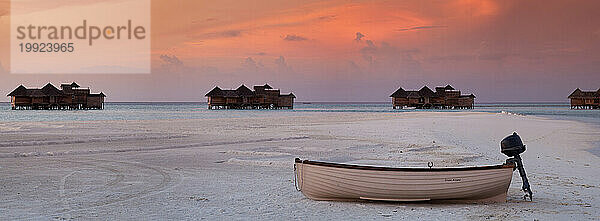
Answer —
346 102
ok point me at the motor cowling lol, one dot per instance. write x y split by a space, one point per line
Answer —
512 145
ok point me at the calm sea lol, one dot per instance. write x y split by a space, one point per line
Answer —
152 111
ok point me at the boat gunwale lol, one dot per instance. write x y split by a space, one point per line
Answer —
413 169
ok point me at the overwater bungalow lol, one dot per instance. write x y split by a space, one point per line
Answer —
70 96
263 97
443 98
585 99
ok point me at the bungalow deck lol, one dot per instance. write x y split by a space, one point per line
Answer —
443 98
585 99
69 97
263 97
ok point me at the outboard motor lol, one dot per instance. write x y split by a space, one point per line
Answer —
512 146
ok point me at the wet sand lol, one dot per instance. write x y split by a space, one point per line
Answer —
243 168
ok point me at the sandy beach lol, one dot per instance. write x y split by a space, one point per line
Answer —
243 168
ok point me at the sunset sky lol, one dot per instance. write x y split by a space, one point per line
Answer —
354 50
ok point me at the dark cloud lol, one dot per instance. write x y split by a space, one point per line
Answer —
230 33
280 61
251 64
239 32
359 36
327 17
171 60
199 22
294 38
170 63
282 66
498 56
221 34
421 27
353 67
368 50
324 18
385 58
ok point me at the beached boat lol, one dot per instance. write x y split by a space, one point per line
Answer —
344 182
333 181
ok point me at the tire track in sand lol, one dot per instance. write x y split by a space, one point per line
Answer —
166 181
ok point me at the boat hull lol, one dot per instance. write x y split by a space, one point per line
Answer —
342 182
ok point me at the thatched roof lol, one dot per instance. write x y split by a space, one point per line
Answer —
218 92
413 94
241 91
244 91
97 95
68 88
262 87
19 91
399 93
214 92
426 92
48 90
288 95
73 85
578 93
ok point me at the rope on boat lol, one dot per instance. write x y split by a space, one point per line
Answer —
298 187
295 180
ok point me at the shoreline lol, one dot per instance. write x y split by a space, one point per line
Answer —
243 168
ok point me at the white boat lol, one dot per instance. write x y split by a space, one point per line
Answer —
345 182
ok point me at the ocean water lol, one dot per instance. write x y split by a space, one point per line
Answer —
153 111
165 111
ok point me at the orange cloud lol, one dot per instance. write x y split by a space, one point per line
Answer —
331 29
